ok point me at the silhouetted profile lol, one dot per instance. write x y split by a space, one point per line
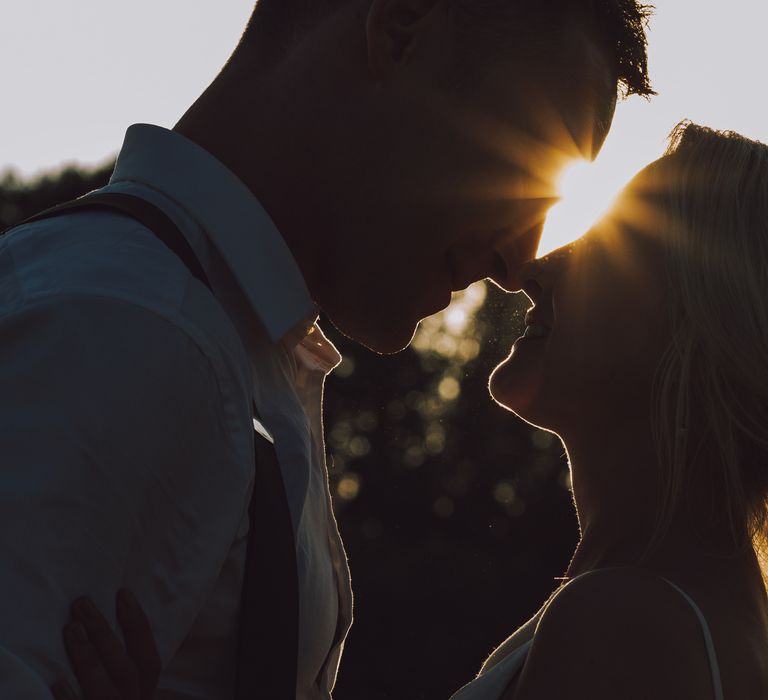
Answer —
361 157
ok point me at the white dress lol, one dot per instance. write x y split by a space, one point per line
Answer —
492 684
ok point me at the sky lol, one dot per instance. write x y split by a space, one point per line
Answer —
77 73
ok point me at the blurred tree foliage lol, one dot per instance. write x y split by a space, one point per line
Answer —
456 515
21 198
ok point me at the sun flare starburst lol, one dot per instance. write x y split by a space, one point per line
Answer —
587 191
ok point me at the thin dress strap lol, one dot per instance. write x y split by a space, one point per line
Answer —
715 668
716 682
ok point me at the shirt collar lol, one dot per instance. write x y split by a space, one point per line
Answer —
234 220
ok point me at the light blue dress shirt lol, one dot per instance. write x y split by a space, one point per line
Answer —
126 430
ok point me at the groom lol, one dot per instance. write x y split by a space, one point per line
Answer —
363 157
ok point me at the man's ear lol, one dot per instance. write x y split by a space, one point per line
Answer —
392 28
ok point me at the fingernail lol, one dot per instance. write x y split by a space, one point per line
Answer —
62 689
77 631
85 608
127 600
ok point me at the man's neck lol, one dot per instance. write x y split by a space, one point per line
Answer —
247 128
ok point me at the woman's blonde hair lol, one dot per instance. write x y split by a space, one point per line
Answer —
710 405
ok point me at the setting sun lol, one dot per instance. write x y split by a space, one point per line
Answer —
587 191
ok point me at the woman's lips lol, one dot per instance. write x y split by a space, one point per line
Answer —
535 318
538 326
536 331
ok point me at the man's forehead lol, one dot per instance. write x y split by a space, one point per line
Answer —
589 94
566 94
604 112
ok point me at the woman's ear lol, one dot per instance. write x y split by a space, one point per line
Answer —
393 28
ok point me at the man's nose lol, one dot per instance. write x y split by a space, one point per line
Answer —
542 271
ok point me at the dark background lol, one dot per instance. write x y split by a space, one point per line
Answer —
456 515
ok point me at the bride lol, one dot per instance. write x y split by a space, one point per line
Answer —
646 351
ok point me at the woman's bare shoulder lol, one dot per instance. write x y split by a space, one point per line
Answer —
616 633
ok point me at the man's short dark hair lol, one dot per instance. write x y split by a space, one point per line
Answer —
618 27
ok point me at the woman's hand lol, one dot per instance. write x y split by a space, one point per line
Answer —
105 669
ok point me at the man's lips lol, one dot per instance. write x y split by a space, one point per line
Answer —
436 299
453 270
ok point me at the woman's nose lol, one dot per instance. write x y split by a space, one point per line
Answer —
527 278
540 274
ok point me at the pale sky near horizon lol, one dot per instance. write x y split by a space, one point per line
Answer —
76 73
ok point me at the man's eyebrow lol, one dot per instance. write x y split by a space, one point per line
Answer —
606 98
602 126
602 129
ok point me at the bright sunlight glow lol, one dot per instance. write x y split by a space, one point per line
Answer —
587 191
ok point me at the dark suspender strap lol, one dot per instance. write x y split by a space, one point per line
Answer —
146 213
269 618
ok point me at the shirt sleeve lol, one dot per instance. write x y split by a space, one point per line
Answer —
120 465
